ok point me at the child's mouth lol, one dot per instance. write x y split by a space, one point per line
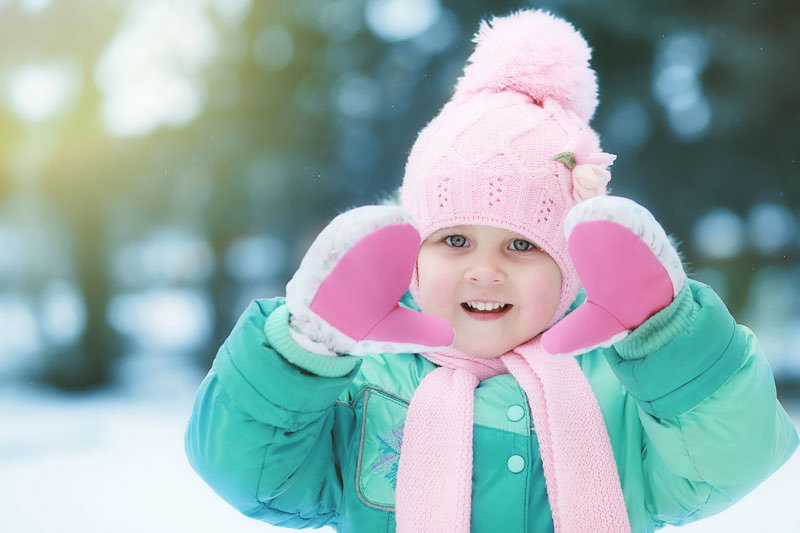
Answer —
489 311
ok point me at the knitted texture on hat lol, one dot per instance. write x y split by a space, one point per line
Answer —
487 158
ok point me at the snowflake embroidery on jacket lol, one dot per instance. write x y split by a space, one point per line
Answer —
389 458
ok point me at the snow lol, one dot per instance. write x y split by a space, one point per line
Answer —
107 462
113 461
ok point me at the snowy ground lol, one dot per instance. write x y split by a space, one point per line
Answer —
113 462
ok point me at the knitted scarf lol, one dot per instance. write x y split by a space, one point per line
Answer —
434 479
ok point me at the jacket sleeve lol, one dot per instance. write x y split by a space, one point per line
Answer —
713 428
260 433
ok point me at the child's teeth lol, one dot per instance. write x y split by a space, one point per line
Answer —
483 306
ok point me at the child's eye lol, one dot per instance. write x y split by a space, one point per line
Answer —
456 241
521 245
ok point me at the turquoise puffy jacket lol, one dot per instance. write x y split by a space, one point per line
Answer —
301 440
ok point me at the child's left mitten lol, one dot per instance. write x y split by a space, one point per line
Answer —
627 266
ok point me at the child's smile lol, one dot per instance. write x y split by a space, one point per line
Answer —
486 310
492 285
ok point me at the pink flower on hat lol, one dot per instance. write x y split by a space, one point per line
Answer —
589 166
588 181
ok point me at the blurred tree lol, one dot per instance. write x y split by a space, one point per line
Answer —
77 177
6 185
7 130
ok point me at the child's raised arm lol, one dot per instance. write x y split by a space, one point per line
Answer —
261 432
702 424
712 426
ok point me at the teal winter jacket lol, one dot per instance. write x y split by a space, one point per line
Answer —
302 440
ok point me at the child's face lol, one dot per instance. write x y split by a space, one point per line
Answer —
480 263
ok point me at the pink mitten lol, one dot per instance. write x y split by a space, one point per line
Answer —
344 297
627 266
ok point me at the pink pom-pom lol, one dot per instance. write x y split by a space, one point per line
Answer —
534 53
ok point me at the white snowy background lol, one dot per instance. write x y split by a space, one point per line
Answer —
113 462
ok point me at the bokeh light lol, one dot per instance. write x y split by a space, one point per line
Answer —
396 20
719 234
39 91
147 81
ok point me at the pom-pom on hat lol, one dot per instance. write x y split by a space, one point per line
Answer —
533 53
513 147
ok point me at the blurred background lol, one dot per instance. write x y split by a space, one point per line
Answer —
163 162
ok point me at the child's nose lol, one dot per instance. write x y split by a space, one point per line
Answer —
485 272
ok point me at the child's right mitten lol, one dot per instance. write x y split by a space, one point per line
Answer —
627 265
344 297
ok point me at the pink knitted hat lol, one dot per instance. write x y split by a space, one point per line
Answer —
513 147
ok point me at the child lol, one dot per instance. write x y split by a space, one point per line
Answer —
337 406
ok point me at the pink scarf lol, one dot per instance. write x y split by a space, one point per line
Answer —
434 479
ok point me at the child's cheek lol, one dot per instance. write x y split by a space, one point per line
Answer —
435 290
543 293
